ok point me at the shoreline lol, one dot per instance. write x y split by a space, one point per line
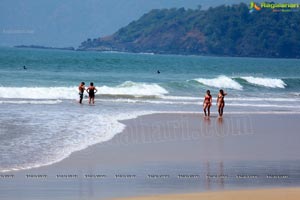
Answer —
174 144
128 122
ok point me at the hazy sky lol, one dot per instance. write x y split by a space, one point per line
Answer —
69 22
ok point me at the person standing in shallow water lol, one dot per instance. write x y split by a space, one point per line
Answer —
221 102
91 90
81 89
207 103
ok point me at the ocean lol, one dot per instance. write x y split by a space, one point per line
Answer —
42 123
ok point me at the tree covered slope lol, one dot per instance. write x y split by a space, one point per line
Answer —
224 30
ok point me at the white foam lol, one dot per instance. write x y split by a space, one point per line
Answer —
130 88
200 98
39 92
46 102
145 53
266 82
180 98
127 88
60 146
160 102
263 99
220 82
236 102
260 105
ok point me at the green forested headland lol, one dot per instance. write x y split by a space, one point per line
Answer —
224 31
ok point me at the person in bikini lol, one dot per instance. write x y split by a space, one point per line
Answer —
207 103
81 89
221 102
91 90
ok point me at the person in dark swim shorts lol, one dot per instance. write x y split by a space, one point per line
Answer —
81 89
91 90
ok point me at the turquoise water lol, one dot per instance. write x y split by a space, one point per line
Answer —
54 68
41 117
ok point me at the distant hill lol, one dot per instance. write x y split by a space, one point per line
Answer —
43 47
224 31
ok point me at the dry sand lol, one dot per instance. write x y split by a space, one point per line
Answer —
266 194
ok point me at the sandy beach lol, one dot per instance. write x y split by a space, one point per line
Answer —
175 153
270 194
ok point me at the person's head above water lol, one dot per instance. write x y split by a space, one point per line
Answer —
91 84
82 83
222 92
208 92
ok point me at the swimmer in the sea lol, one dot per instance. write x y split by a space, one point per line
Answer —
91 90
81 89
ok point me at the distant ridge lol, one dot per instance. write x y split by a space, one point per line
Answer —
223 31
43 47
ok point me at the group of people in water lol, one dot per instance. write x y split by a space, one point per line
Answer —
207 103
91 90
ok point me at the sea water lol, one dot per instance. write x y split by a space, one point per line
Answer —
42 123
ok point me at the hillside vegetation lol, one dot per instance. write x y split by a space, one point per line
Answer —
224 30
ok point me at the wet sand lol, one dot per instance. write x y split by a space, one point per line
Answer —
191 137
171 144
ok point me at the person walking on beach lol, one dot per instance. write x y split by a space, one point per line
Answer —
81 89
91 90
221 102
207 103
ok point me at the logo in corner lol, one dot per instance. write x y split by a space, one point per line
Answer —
275 7
254 7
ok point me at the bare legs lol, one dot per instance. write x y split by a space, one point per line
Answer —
221 108
91 99
206 106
